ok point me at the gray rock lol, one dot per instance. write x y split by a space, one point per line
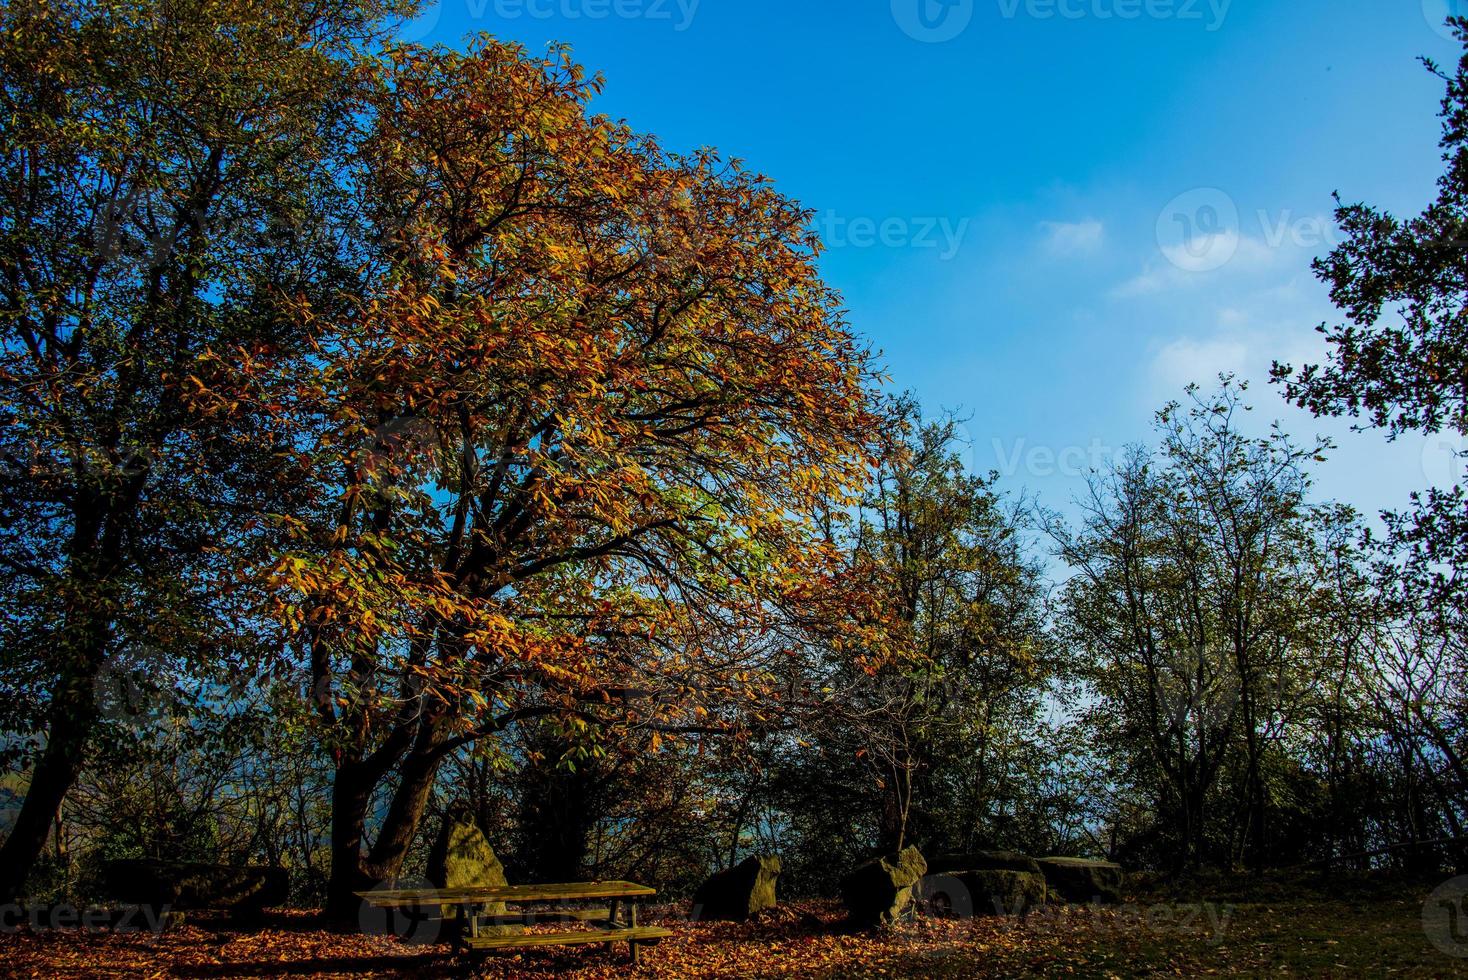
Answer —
739 892
186 886
1080 880
983 861
880 892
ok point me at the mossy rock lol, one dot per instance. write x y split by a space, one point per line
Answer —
461 857
880 892
983 861
999 892
740 892
187 886
1080 880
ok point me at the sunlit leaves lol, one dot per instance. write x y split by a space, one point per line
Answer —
579 424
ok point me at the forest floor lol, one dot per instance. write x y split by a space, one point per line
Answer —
1342 928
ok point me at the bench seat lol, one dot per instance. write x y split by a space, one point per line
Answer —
596 917
640 934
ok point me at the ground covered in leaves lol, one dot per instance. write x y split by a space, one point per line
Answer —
1331 929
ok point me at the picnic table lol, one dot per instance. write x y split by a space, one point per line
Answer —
615 923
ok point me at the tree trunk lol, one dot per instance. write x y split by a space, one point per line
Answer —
354 868
73 717
404 815
351 794
1255 842
53 777
559 809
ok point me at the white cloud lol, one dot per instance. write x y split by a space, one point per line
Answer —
1245 341
1188 263
1187 361
1149 282
1203 253
1070 238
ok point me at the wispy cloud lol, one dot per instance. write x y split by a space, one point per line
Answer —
1072 238
1244 338
1188 263
1188 361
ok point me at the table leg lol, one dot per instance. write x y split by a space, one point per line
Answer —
632 924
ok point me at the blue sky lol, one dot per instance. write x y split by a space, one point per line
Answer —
1050 214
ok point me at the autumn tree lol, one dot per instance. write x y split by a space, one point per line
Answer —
919 743
578 424
166 166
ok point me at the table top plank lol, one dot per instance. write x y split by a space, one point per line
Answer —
571 891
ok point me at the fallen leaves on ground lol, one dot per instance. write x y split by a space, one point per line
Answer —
1313 937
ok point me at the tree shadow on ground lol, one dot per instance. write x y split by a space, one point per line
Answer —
432 965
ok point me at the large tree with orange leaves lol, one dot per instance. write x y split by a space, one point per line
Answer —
580 424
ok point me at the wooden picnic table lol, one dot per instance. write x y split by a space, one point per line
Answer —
613 924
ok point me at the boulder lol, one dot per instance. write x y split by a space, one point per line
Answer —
186 886
740 892
879 892
1079 880
984 861
1004 892
461 857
